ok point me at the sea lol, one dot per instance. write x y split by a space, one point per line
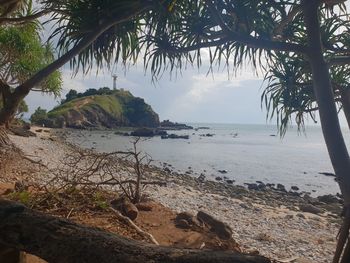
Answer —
247 153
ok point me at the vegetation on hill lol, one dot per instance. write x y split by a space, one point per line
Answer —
100 108
39 116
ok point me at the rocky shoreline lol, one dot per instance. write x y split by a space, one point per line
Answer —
279 224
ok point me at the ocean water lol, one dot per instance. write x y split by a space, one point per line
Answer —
248 153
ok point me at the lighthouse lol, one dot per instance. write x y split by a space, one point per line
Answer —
114 81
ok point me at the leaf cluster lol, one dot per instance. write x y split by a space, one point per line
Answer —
22 54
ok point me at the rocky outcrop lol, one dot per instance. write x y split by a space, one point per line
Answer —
117 109
168 125
147 132
175 136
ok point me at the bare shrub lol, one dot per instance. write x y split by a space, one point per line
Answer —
124 171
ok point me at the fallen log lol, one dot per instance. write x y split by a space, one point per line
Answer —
59 240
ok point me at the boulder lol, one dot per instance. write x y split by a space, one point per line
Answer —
310 209
229 181
26 126
175 136
181 223
143 132
328 199
144 206
295 188
166 169
261 186
159 132
20 131
201 177
207 135
252 186
186 220
222 230
168 125
124 206
281 187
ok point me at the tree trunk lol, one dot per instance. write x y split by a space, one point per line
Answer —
329 118
9 109
345 101
9 255
61 241
325 98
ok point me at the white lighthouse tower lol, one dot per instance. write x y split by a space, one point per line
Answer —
114 76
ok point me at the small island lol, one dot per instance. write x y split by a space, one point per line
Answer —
100 108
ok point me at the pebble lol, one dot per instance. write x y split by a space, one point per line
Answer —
261 212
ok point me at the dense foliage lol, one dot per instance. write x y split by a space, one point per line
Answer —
73 94
38 116
22 54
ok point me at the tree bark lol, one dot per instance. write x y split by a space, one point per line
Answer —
345 101
61 241
325 98
329 120
9 255
9 109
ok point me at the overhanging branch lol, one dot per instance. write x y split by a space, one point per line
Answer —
249 41
24 19
254 42
22 90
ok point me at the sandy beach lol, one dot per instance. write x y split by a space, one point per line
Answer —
275 226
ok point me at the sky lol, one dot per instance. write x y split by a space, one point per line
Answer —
192 96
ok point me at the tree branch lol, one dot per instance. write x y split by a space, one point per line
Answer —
10 20
282 25
249 40
22 90
246 40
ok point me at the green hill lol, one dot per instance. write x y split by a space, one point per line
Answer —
104 109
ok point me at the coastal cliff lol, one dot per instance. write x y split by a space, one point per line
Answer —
103 109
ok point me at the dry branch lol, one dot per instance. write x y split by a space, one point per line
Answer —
130 223
125 171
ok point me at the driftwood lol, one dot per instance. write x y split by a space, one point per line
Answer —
59 240
130 223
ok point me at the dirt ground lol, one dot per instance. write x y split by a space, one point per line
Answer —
84 208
